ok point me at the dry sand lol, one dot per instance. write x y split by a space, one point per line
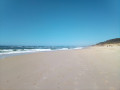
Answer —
93 68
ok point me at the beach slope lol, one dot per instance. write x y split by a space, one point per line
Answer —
93 68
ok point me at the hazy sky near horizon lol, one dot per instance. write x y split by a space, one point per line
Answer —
58 22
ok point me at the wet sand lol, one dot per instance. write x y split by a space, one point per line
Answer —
93 68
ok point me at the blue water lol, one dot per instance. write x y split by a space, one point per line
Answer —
6 51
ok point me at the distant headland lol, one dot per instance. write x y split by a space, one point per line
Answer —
115 41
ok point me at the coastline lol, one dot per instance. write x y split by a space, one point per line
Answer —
30 51
91 68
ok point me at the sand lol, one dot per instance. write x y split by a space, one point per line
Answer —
93 68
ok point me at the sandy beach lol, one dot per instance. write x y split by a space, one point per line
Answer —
93 68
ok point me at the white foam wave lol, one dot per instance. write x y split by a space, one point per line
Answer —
78 48
22 51
10 51
63 49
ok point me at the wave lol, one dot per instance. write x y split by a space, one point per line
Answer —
13 51
63 49
78 48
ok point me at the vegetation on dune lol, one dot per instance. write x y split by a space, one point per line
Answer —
111 41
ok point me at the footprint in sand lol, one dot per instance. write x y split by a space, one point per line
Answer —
44 78
35 83
76 83
18 77
112 88
7 81
106 81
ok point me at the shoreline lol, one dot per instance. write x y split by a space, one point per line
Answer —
2 56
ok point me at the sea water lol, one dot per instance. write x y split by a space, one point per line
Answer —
6 51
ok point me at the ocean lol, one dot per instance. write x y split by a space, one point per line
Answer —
6 51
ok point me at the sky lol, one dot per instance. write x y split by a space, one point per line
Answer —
58 22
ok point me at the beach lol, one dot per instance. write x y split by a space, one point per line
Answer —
91 68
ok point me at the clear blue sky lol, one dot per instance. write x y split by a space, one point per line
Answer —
58 22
